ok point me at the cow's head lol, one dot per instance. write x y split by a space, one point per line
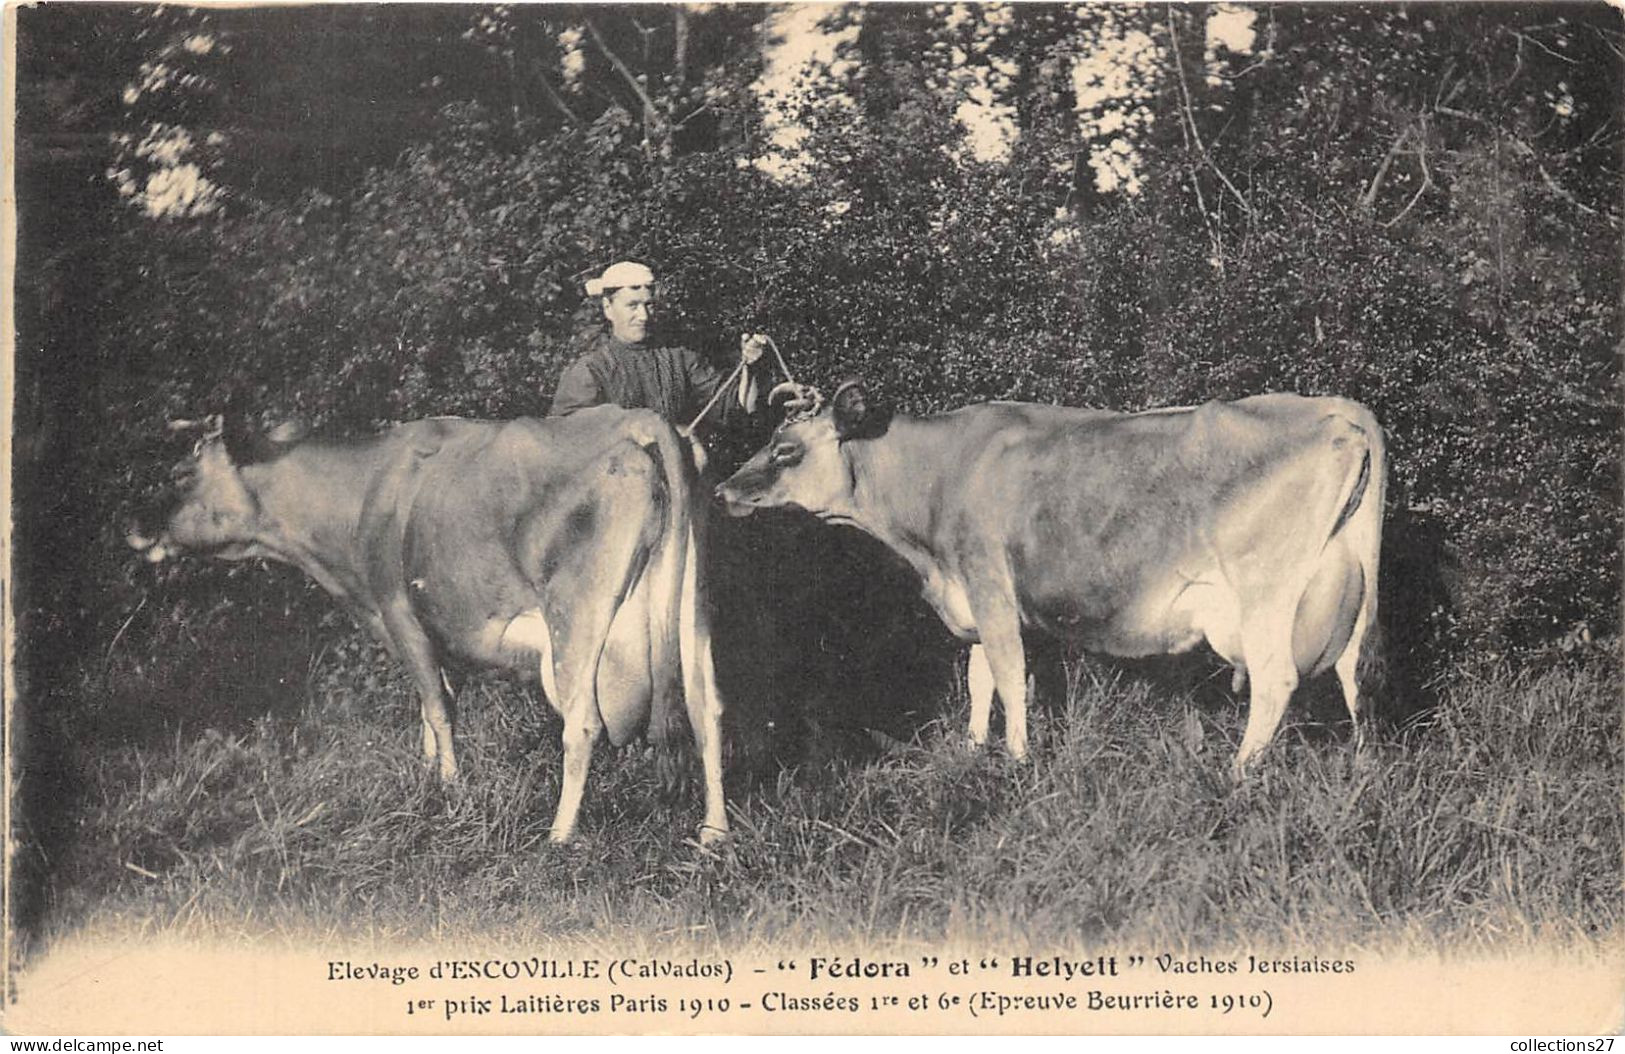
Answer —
803 466
207 506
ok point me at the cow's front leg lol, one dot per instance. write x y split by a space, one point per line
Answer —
1007 663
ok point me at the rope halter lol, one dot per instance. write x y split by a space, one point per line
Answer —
802 401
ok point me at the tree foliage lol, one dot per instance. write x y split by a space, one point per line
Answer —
1413 206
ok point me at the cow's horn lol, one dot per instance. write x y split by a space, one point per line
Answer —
210 426
803 400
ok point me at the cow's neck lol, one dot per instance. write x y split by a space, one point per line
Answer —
897 480
308 521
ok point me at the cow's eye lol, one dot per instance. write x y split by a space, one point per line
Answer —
786 454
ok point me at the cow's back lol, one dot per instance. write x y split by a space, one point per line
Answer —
471 517
1104 516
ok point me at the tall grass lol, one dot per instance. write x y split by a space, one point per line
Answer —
1495 818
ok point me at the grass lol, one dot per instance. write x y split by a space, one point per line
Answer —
1496 819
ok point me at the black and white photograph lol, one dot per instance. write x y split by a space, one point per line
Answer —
789 518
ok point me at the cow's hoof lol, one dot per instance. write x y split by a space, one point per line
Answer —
712 835
560 837
444 770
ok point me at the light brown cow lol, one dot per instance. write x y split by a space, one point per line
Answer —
1254 525
564 549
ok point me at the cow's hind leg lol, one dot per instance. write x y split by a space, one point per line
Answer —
411 644
1347 668
1267 645
590 580
577 648
979 681
431 748
570 685
581 728
1363 540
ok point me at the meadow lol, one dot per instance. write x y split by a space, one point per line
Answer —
1490 818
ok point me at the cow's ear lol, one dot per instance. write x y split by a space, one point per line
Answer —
243 445
288 432
851 409
857 414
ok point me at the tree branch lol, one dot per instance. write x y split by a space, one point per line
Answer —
1524 36
1517 64
1526 150
556 99
524 63
518 93
1439 97
1463 115
1190 118
702 108
650 114
1427 179
680 45
1213 236
1368 200
1560 191
1607 43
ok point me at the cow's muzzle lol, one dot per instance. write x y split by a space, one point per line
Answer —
732 503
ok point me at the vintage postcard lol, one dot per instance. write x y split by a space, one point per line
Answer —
785 518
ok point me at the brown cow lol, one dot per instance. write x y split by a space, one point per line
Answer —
1254 525
564 549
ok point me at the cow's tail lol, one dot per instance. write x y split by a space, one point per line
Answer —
701 698
1359 521
680 631
666 575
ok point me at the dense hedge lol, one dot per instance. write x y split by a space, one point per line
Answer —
450 283
1477 316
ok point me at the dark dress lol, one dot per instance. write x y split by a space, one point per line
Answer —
672 381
